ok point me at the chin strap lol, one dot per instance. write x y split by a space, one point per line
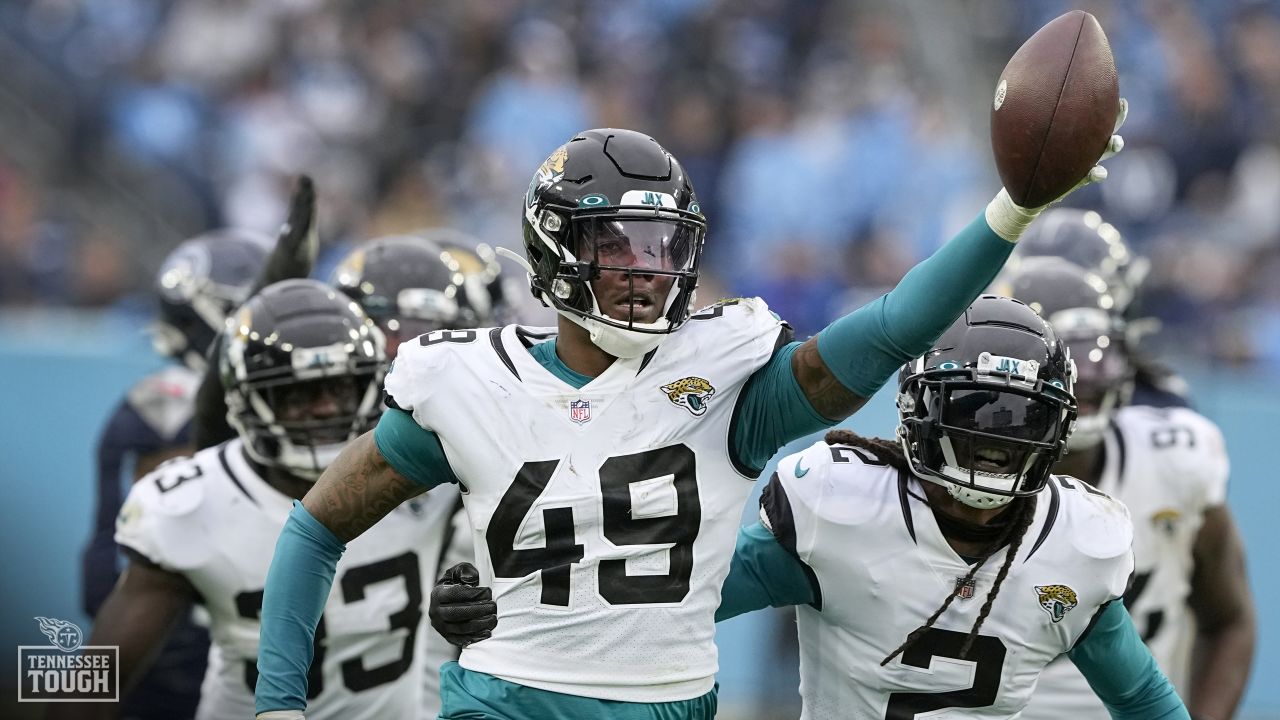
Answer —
619 342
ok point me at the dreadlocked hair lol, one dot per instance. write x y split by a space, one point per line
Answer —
886 451
1015 529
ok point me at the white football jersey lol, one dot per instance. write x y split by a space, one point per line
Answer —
438 651
1168 465
882 567
212 519
604 518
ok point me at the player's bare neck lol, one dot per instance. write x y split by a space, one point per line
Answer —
1083 464
578 353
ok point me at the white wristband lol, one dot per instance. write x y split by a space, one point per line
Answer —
1007 219
280 715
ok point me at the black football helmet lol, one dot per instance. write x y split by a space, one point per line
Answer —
1082 237
987 412
1084 313
410 285
478 262
202 280
613 200
302 366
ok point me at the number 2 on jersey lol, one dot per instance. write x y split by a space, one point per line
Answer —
987 655
621 527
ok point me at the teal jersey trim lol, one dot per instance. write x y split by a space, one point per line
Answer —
773 411
545 353
297 588
467 694
866 347
1121 671
414 451
762 574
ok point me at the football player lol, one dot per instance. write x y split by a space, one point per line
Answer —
302 365
604 462
199 282
1189 595
1083 238
941 572
410 285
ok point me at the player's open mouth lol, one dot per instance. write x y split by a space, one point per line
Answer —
988 458
638 304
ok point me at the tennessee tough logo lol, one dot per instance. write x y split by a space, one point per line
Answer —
1056 600
691 393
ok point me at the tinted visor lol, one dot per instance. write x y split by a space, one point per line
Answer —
1001 413
658 244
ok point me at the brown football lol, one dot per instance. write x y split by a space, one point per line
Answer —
1054 109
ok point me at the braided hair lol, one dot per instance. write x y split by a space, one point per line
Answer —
1022 513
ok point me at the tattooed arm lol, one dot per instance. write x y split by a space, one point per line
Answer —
358 490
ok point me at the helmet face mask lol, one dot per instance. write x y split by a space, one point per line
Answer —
987 412
1104 384
989 438
300 388
614 236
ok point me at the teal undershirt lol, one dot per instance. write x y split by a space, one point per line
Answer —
1112 656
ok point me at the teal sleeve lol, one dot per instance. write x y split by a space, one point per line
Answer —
414 451
866 347
774 411
763 574
298 583
1121 671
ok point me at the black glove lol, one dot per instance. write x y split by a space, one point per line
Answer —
298 242
461 610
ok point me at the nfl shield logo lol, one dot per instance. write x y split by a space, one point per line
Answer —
580 411
965 589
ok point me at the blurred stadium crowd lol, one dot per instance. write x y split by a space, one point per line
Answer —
833 142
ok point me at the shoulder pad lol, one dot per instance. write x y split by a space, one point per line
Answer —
735 324
175 488
742 307
1098 525
165 400
1183 446
843 484
160 517
420 362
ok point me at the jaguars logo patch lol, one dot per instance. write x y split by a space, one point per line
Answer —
550 172
691 393
1057 600
1166 521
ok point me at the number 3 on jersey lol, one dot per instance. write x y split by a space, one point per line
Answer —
621 526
